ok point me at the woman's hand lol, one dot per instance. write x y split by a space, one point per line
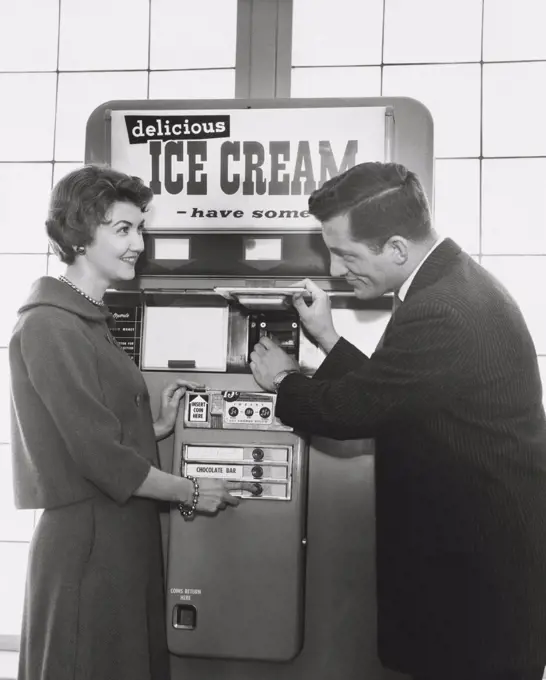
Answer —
168 409
214 494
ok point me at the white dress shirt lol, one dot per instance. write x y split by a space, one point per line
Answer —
407 283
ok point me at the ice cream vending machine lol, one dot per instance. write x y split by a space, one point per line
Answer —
282 586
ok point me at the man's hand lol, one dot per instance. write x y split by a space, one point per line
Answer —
267 360
316 317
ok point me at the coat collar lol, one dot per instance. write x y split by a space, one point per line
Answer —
50 292
434 267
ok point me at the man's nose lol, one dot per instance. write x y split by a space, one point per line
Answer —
337 267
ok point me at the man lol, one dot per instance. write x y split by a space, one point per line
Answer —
453 398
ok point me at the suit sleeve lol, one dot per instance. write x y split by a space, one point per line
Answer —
62 367
425 364
342 358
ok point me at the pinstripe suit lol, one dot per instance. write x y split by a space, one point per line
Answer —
454 401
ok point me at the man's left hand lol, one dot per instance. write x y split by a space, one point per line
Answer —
268 360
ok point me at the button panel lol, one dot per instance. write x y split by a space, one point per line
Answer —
235 472
235 454
272 474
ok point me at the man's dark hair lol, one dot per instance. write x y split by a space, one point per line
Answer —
380 199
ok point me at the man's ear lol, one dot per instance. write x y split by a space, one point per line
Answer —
399 249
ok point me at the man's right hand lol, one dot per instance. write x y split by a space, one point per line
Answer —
316 317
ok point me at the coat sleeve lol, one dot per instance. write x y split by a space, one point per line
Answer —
62 367
425 364
342 358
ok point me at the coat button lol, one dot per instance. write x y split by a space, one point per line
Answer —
138 399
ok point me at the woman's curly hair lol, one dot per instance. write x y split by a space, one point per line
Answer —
81 201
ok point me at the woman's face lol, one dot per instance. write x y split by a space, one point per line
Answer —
117 244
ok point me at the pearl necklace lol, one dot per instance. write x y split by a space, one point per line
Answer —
97 303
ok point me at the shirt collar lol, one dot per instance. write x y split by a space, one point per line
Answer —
407 283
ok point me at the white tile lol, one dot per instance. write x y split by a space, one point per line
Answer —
22 221
104 35
514 95
62 169
514 30
351 81
15 525
17 273
54 266
28 35
524 279
514 206
457 202
350 33
452 94
432 31
14 559
79 95
9 664
211 84
188 34
27 116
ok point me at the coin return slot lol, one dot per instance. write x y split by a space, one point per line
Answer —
184 616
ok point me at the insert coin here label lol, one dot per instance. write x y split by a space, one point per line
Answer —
198 408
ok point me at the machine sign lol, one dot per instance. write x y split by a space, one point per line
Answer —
219 471
199 408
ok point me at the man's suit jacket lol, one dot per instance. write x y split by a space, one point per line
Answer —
454 401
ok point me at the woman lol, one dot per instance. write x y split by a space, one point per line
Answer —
84 449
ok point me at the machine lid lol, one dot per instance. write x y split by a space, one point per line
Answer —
260 298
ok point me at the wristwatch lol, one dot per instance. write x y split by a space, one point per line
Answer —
277 380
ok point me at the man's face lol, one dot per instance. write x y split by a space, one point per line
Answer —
371 274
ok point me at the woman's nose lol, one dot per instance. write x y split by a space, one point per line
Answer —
137 243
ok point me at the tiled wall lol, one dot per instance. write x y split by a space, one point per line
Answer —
59 61
479 65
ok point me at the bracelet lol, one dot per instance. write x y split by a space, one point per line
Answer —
186 510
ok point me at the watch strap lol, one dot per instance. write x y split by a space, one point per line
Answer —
281 375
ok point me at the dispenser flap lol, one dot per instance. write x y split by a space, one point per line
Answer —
260 298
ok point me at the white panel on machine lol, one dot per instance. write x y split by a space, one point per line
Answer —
172 248
185 334
361 327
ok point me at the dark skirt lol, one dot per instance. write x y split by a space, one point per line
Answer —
94 601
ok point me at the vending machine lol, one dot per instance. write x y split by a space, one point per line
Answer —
282 586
